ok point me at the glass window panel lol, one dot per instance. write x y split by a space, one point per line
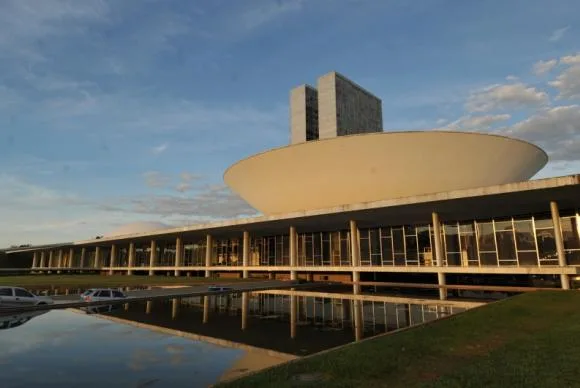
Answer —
326 249
503 226
453 259
398 240
570 232
546 245
424 241
387 253
345 249
400 259
525 240
317 244
363 233
365 253
335 248
375 246
486 238
528 258
466 228
506 248
451 238
468 250
488 258
542 223
573 257
411 246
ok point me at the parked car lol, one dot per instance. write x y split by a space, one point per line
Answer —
101 294
219 288
18 297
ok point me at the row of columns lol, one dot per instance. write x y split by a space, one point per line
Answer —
40 259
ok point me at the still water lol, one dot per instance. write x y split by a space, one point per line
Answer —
193 342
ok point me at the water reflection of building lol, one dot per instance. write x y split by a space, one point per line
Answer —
394 206
292 322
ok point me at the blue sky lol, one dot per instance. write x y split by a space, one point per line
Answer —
120 111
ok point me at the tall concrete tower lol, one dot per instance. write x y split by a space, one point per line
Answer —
338 107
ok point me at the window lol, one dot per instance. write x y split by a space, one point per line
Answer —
5 291
118 294
105 294
22 293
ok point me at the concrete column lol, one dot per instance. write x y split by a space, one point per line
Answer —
293 315
208 253
113 258
83 254
35 260
355 255
174 308
42 259
205 309
246 254
131 259
59 260
50 259
442 282
71 257
178 256
564 279
97 257
293 253
437 237
358 319
152 257
245 305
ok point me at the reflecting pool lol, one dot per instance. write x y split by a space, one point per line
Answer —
195 341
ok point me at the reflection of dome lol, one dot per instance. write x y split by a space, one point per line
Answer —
137 227
379 166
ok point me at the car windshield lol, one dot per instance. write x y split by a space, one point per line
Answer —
88 292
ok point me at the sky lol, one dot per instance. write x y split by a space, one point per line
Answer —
113 112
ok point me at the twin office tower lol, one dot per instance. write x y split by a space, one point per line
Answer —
337 107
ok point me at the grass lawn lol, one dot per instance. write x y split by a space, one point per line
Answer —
106 280
531 340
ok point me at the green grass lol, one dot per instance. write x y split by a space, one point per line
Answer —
532 340
105 280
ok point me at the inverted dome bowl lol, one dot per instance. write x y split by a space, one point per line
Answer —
379 166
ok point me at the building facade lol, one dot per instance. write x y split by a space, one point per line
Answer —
338 107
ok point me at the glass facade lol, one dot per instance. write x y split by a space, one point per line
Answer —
506 242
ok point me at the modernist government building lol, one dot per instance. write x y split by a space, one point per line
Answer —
346 201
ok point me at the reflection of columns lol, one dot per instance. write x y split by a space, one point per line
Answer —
113 258
83 254
174 308
149 307
244 310
97 257
564 279
358 319
246 253
293 315
131 260
205 309
293 253
355 256
71 257
208 253
439 254
35 260
178 255
126 306
42 259
152 257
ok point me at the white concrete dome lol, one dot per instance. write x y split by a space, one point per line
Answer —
137 227
379 166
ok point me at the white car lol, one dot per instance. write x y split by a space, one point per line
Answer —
19 297
101 294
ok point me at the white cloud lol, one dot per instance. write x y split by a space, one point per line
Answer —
267 11
156 179
511 78
556 129
478 123
558 34
571 59
158 150
542 67
505 96
568 83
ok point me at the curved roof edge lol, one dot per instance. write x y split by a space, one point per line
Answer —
546 157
